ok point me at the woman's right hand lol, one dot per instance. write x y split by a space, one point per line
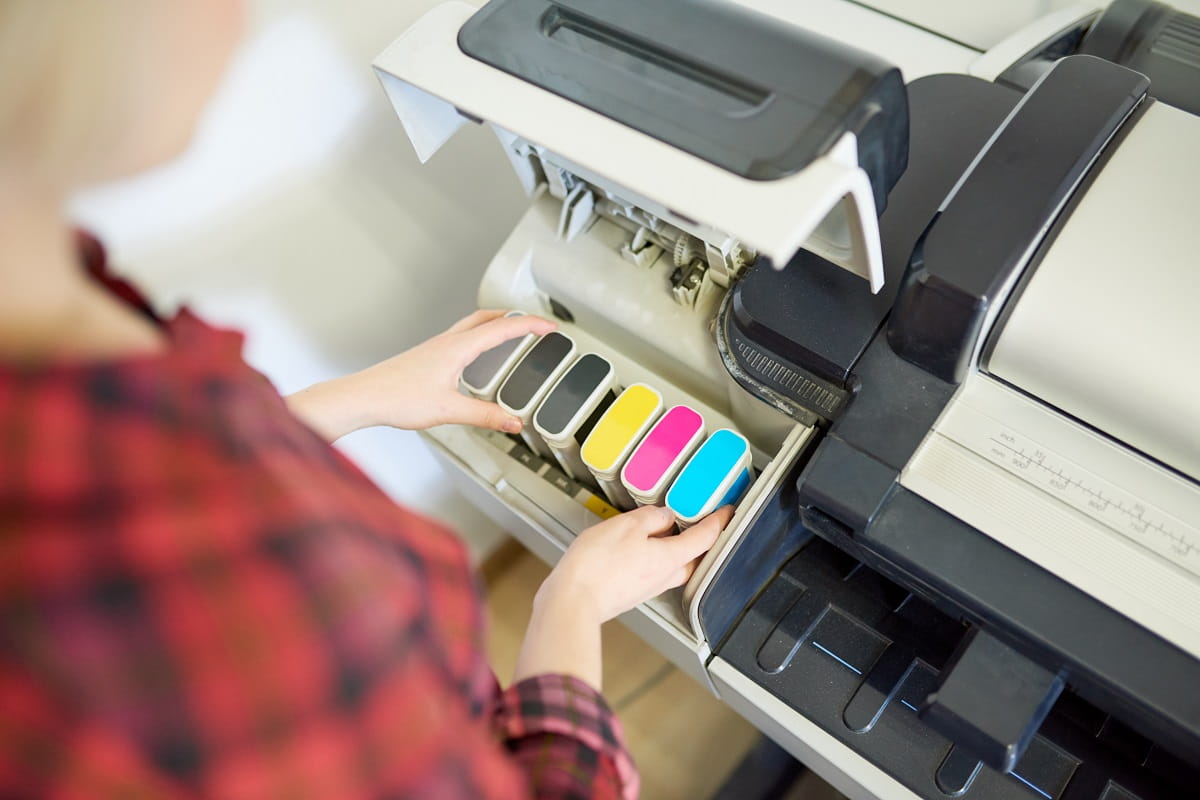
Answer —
613 566
607 570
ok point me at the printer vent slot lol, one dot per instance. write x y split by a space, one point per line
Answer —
1179 40
648 61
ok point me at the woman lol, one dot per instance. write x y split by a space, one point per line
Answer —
200 597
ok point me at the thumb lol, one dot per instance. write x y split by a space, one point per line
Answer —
481 414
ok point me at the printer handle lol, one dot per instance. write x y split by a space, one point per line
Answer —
1002 209
737 88
991 700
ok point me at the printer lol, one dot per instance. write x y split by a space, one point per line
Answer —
951 301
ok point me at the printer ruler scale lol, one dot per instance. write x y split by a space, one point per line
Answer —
1121 528
1086 492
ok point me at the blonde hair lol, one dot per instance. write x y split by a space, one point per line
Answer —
62 65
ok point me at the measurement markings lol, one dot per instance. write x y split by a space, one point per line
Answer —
1022 460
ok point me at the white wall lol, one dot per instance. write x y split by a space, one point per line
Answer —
301 216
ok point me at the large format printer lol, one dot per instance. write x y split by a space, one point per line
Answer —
953 301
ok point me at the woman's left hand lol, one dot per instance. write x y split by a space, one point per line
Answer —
418 388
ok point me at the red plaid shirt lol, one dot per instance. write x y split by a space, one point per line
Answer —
199 597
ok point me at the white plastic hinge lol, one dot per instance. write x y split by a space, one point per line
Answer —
578 212
559 181
641 251
726 262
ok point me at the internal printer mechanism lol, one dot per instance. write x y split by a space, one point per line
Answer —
703 260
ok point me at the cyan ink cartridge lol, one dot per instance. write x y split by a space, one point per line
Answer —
718 474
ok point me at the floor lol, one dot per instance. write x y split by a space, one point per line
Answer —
683 739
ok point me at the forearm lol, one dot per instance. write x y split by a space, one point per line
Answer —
563 637
554 709
329 408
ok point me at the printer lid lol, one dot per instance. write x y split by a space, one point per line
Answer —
687 164
1106 328
739 89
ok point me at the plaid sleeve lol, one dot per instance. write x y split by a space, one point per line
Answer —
566 739
200 598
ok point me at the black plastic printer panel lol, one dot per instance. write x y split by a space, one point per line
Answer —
850 479
737 88
859 656
1003 207
775 535
815 318
1126 669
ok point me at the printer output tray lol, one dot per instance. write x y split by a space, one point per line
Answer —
857 654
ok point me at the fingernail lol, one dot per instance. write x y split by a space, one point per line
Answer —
512 425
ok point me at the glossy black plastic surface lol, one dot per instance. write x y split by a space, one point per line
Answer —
735 87
859 655
991 700
1155 39
1003 206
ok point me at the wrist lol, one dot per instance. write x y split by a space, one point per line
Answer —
352 396
564 597
563 636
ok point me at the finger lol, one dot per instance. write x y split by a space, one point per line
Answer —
482 414
649 520
475 319
684 574
497 331
699 539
